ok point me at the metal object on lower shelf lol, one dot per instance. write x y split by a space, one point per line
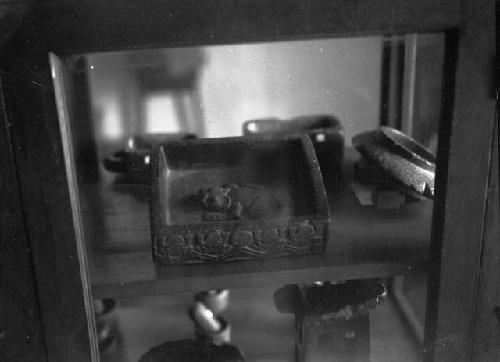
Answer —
400 158
217 300
228 199
331 320
210 326
325 131
212 332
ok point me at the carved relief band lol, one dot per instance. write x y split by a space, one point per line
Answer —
220 245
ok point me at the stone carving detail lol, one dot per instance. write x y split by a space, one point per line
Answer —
221 245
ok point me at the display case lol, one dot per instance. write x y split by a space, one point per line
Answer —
83 80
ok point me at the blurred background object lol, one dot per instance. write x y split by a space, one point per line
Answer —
105 322
134 158
325 131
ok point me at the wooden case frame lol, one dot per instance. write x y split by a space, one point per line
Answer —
46 176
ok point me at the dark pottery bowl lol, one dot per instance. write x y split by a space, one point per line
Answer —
400 157
325 131
191 351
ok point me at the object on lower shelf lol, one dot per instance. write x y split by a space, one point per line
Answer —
325 131
237 198
209 325
213 334
331 320
403 162
105 322
134 159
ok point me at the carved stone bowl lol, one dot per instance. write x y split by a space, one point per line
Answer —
228 199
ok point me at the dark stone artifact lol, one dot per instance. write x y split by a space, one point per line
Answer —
228 199
190 351
325 131
134 159
408 164
331 320
213 334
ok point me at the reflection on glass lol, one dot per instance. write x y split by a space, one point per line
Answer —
222 86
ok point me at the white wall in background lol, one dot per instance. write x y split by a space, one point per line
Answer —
285 79
248 81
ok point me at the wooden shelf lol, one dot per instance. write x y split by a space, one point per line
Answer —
363 243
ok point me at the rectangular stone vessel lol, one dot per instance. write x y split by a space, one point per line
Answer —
228 199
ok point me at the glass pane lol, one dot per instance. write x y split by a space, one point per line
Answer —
211 91
273 171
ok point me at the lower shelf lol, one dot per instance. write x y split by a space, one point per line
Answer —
258 329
